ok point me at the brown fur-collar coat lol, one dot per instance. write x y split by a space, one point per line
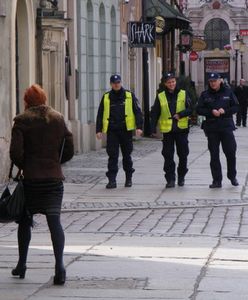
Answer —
37 138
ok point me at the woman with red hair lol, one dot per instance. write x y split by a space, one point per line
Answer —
40 143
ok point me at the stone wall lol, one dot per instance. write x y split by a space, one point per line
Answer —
5 84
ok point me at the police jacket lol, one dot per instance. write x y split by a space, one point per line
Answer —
172 102
241 93
117 118
210 100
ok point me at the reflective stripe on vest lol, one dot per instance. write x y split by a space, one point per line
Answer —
130 117
165 120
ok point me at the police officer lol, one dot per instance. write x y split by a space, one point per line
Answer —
218 104
118 115
171 109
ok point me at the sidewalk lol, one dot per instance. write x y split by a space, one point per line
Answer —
141 243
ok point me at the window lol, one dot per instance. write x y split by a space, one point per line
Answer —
217 34
113 41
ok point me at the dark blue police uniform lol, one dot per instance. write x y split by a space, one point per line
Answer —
219 130
118 137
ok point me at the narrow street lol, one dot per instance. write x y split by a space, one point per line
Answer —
145 242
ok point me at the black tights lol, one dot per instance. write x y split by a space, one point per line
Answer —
57 236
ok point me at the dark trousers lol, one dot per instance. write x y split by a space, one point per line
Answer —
229 146
119 139
169 141
242 116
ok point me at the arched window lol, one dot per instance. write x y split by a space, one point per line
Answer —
113 41
90 62
217 34
102 48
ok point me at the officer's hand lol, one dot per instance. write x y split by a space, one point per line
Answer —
99 135
176 116
215 112
221 111
139 132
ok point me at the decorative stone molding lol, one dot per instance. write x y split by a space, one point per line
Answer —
48 41
51 25
3 8
49 4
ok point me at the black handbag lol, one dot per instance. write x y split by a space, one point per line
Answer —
12 206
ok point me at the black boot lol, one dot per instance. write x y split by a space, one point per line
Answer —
181 181
60 276
215 185
19 271
234 182
111 185
128 182
170 184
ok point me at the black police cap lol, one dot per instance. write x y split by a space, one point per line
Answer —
168 76
115 78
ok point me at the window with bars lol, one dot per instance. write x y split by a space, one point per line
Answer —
217 34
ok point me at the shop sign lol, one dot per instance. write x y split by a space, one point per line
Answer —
160 24
142 34
199 44
217 65
243 32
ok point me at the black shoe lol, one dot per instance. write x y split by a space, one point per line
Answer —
19 271
181 181
170 184
128 183
111 185
234 182
60 276
215 185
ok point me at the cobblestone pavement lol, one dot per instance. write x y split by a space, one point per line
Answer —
219 221
91 167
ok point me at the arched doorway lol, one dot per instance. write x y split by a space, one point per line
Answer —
24 50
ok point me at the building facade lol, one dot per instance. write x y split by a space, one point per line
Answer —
131 58
98 58
33 35
218 23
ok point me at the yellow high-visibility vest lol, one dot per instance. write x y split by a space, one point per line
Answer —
130 117
165 120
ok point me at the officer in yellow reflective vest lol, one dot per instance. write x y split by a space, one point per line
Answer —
171 110
118 116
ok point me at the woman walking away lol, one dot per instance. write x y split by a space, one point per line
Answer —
40 143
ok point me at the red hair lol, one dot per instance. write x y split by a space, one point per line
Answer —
34 96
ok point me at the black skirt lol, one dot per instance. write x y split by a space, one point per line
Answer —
43 197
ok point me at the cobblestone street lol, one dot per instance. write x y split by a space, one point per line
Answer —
145 242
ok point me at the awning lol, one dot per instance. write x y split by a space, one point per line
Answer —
173 17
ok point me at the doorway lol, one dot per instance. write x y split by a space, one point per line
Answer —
23 55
